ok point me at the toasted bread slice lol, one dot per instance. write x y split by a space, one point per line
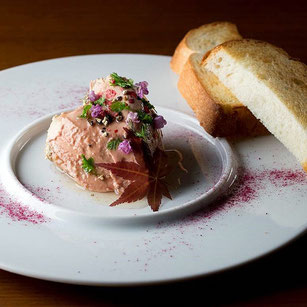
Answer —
219 112
270 83
201 40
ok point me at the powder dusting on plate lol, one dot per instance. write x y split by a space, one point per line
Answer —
249 185
17 211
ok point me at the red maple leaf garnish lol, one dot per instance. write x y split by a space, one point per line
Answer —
146 176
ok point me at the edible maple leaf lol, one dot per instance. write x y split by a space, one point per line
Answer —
146 176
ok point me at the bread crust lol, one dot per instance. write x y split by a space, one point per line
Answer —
206 110
183 51
218 122
234 42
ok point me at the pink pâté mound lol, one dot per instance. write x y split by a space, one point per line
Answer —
113 142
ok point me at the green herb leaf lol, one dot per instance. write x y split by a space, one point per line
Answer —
121 81
85 110
113 144
145 117
88 164
100 101
142 133
119 106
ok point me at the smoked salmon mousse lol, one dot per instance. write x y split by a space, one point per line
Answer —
116 124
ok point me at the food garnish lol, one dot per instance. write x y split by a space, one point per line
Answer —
146 176
120 81
88 164
86 108
113 144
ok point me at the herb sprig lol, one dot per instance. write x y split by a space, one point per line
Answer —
86 108
119 106
100 101
142 133
113 144
88 164
121 81
145 117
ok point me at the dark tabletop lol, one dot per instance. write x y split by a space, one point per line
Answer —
38 30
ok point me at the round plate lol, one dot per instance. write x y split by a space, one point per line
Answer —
51 229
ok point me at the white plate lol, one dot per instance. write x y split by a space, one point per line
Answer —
59 232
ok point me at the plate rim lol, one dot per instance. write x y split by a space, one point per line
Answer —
83 55
153 282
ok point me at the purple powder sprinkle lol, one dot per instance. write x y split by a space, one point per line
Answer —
159 122
141 89
125 147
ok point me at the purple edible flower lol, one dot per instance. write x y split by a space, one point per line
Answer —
141 89
133 116
125 147
159 122
96 110
92 96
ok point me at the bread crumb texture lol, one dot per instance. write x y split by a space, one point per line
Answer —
270 83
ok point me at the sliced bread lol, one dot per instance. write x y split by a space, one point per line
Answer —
270 83
219 112
201 40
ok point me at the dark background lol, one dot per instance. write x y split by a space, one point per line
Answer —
38 30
